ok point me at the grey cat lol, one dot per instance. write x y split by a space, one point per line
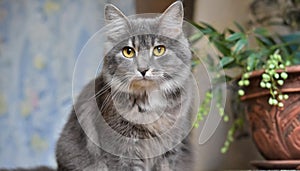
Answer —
137 114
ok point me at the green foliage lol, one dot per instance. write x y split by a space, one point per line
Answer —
237 124
272 78
265 51
204 108
233 46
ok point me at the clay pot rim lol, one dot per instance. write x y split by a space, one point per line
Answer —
258 73
289 69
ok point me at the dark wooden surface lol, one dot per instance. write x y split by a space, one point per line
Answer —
158 6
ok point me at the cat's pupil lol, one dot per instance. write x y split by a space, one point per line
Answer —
129 51
159 49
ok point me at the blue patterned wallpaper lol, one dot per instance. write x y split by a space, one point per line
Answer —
39 43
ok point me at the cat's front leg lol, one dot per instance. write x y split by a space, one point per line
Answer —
165 166
161 164
99 166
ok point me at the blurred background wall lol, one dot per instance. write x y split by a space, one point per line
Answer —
222 14
39 43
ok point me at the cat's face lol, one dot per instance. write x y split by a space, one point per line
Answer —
146 53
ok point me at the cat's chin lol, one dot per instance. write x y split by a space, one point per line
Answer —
143 85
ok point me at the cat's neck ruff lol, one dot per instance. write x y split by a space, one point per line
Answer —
142 86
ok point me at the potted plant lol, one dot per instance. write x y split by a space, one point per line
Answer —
268 86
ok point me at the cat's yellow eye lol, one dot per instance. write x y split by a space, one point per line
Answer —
128 52
159 50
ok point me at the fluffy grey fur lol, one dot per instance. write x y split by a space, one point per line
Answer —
136 115
33 169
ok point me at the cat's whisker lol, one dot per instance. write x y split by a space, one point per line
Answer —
114 94
105 102
101 91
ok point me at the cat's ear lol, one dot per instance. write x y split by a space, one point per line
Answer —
171 20
113 14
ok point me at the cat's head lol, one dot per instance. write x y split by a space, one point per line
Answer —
146 53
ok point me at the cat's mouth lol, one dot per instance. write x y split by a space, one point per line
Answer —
143 84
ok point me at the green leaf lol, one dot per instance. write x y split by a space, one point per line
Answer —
195 62
195 37
230 31
221 79
205 30
295 58
239 27
225 61
209 60
251 61
286 49
208 26
262 31
198 26
235 36
239 45
222 48
244 55
265 41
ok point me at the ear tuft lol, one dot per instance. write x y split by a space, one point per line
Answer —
172 19
112 13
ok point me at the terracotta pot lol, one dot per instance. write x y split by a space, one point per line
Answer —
275 131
